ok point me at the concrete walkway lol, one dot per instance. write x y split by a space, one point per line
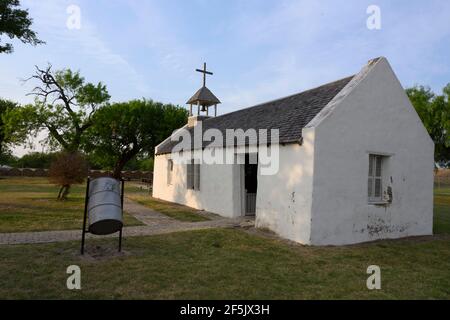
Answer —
155 223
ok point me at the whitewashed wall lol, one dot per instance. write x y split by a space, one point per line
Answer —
284 200
375 117
217 193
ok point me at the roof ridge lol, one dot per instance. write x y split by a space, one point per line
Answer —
289 114
282 98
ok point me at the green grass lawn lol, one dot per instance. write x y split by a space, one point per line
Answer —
218 263
173 210
227 264
441 211
29 204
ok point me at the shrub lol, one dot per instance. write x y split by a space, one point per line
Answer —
67 168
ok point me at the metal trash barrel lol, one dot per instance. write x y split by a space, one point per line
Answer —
104 206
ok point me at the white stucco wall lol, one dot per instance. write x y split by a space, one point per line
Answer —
284 200
216 193
375 117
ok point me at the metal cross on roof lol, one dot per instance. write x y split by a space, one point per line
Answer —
204 73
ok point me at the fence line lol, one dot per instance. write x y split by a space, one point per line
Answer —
442 178
28 172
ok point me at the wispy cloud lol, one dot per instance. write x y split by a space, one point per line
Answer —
301 44
258 50
160 36
51 17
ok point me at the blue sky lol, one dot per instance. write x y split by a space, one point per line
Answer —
258 50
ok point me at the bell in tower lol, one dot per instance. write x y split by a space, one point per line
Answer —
203 98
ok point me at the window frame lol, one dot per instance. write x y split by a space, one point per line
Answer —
197 176
169 171
375 175
193 175
189 175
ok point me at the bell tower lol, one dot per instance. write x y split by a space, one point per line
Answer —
203 99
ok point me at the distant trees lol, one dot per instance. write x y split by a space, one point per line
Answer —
123 131
15 23
434 111
114 136
84 126
5 107
7 158
147 163
10 132
36 160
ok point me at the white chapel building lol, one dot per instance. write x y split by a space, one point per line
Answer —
354 162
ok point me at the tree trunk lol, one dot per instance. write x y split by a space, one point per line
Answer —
117 174
63 192
66 192
59 194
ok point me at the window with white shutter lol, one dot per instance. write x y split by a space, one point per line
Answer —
375 180
193 175
190 174
169 171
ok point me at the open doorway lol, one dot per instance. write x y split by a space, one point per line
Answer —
250 183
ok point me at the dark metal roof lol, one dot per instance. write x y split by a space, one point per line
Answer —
204 97
289 114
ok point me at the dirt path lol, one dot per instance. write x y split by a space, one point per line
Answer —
155 223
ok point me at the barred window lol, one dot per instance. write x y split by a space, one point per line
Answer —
375 178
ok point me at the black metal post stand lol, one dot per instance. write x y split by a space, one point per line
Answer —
86 200
122 192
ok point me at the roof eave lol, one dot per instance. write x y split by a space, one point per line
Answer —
285 142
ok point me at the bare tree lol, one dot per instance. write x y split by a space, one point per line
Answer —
64 105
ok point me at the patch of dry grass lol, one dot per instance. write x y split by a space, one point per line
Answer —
220 263
226 264
441 211
173 210
29 204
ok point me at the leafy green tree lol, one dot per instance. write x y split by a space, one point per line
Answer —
140 162
64 106
5 107
10 132
15 23
7 158
434 111
146 164
124 131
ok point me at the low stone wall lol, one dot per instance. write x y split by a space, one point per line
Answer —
442 178
26 172
145 176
